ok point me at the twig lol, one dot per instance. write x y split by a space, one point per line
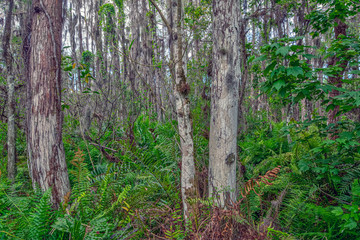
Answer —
334 197
95 144
86 143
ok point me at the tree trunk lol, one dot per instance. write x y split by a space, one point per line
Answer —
224 102
81 48
244 71
47 164
99 67
72 26
135 47
11 137
158 77
339 29
181 90
182 104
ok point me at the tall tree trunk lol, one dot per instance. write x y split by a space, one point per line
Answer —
72 30
244 68
181 90
182 103
47 163
339 29
125 59
224 101
81 48
158 77
99 58
11 137
135 47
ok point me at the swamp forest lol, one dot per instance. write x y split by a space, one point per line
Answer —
180 119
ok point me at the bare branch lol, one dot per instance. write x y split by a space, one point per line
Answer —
161 15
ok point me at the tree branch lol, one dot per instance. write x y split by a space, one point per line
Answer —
161 15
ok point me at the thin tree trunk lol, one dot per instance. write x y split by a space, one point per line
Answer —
81 48
181 90
224 102
244 71
340 29
182 104
11 137
158 78
72 25
46 161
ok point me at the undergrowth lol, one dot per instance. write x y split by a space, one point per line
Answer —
298 189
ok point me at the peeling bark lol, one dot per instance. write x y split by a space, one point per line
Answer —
46 161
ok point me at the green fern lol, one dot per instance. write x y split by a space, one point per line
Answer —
41 218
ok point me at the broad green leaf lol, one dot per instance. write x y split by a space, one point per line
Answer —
338 211
283 51
278 84
294 71
270 67
309 56
259 59
351 225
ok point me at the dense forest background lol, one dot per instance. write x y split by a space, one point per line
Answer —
180 119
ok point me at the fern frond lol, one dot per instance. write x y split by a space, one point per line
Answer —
253 182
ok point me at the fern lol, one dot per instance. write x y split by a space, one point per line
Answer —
41 218
92 211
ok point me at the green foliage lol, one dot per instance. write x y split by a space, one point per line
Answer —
331 10
291 77
87 58
106 14
119 4
125 176
349 213
262 142
25 217
289 72
313 194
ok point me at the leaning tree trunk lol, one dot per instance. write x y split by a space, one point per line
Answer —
11 137
47 164
224 101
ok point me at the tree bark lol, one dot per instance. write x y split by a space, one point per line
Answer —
72 30
11 137
81 48
182 104
224 102
244 70
339 29
181 90
46 161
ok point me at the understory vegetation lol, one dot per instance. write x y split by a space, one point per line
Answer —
133 192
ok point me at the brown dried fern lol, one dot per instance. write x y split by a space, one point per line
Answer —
78 158
252 183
